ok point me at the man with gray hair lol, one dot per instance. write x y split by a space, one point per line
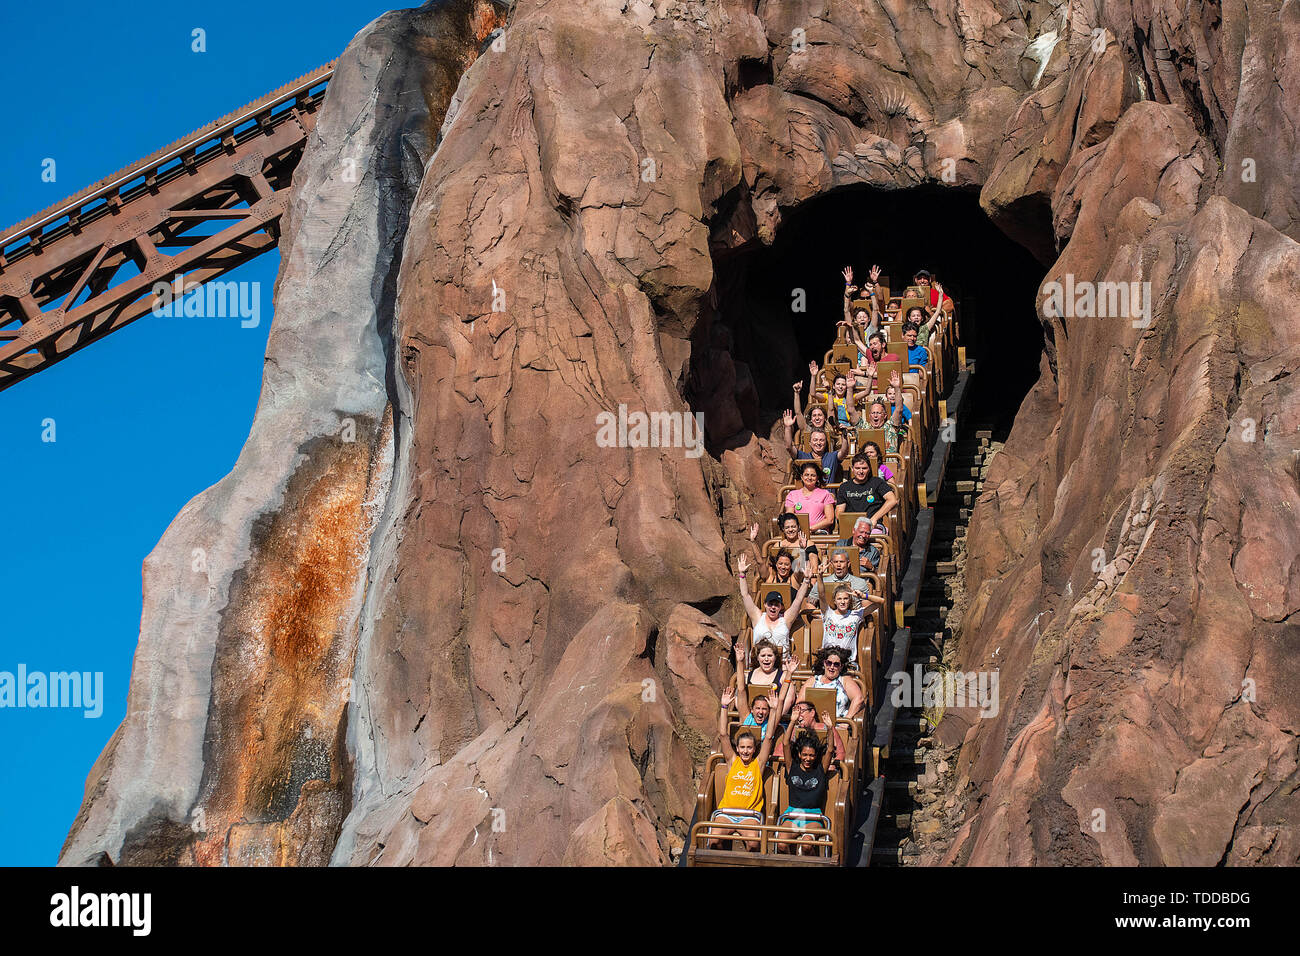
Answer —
860 539
839 575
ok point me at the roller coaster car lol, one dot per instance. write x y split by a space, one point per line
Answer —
823 842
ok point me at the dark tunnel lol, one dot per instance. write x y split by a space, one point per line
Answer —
993 280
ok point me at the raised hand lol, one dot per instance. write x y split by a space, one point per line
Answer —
753 532
875 273
803 540
771 702
788 418
740 653
798 387
939 289
812 367
742 563
827 720
848 275
895 379
728 697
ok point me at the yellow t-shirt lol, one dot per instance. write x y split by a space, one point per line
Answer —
744 786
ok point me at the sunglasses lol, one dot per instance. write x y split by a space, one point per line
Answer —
834 664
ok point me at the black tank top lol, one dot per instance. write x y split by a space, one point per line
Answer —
807 787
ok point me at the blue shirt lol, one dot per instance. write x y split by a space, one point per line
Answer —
830 463
918 356
907 414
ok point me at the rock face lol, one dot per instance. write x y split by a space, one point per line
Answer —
471 631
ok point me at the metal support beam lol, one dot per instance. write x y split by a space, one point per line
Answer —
234 173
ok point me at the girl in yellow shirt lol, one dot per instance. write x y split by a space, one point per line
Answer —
743 790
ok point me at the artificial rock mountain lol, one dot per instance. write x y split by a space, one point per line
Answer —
428 619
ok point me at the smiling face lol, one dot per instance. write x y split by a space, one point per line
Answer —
891 395
840 385
817 441
861 471
809 477
790 528
746 748
783 565
774 609
833 666
860 534
807 757
817 417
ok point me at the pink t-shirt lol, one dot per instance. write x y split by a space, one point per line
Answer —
816 505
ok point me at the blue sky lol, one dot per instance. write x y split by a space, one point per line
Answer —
146 418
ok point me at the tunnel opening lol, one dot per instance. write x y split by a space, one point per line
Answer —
759 291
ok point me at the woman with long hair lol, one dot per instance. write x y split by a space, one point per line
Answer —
773 622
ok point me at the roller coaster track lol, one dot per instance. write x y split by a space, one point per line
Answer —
187 214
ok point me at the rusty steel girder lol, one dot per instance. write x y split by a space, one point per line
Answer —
87 266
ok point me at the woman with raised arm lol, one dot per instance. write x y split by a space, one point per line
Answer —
807 776
742 797
781 569
773 623
860 320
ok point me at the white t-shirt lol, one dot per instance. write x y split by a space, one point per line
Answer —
841 630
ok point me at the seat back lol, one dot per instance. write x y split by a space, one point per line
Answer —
876 435
883 370
822 699
842 353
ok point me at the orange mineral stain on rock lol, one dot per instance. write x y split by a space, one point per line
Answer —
275 789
